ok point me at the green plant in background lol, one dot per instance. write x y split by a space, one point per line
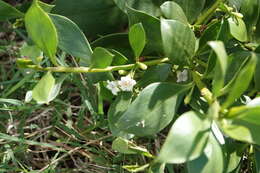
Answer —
188 68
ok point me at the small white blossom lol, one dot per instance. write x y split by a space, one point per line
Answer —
182 76
113 87
28 96
126 83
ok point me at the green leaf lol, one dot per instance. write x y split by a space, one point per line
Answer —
126 147
151 26
150 7
158 73
238 61
241 129
98 17
257 72
116 110
32 52
249 9
245 75
186 139
118 42
217 31
172 10
157 168
71 39
257 160
101 58
46 7
192 8
152 110
212 159
137 38
45 90
221 66
238 29
8 12
178 41
41 30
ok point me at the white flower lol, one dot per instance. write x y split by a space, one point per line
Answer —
28 96
126 83
113 87
182 76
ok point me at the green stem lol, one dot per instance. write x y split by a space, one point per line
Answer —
205 16
61 69
205 92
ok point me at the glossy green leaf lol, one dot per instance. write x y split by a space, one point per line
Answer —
238 29
192 8
178 41
257 72
237 62
137 38
158 73
71 38
241 129
42 91
172 10
101 58
46 7
94 17
152 110
212 159
221 66
118 42
116 110
151 26
218 31
42 31
8 12
186 140
249 9
148 6
245 75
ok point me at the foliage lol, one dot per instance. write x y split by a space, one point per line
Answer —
168 86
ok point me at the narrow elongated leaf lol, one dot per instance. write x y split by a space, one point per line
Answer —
242 82
212 159
8 12
221 66
172 10
186 139
178 41
192 8
218 31
137 38
152 110
71 39
238 29
41 30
